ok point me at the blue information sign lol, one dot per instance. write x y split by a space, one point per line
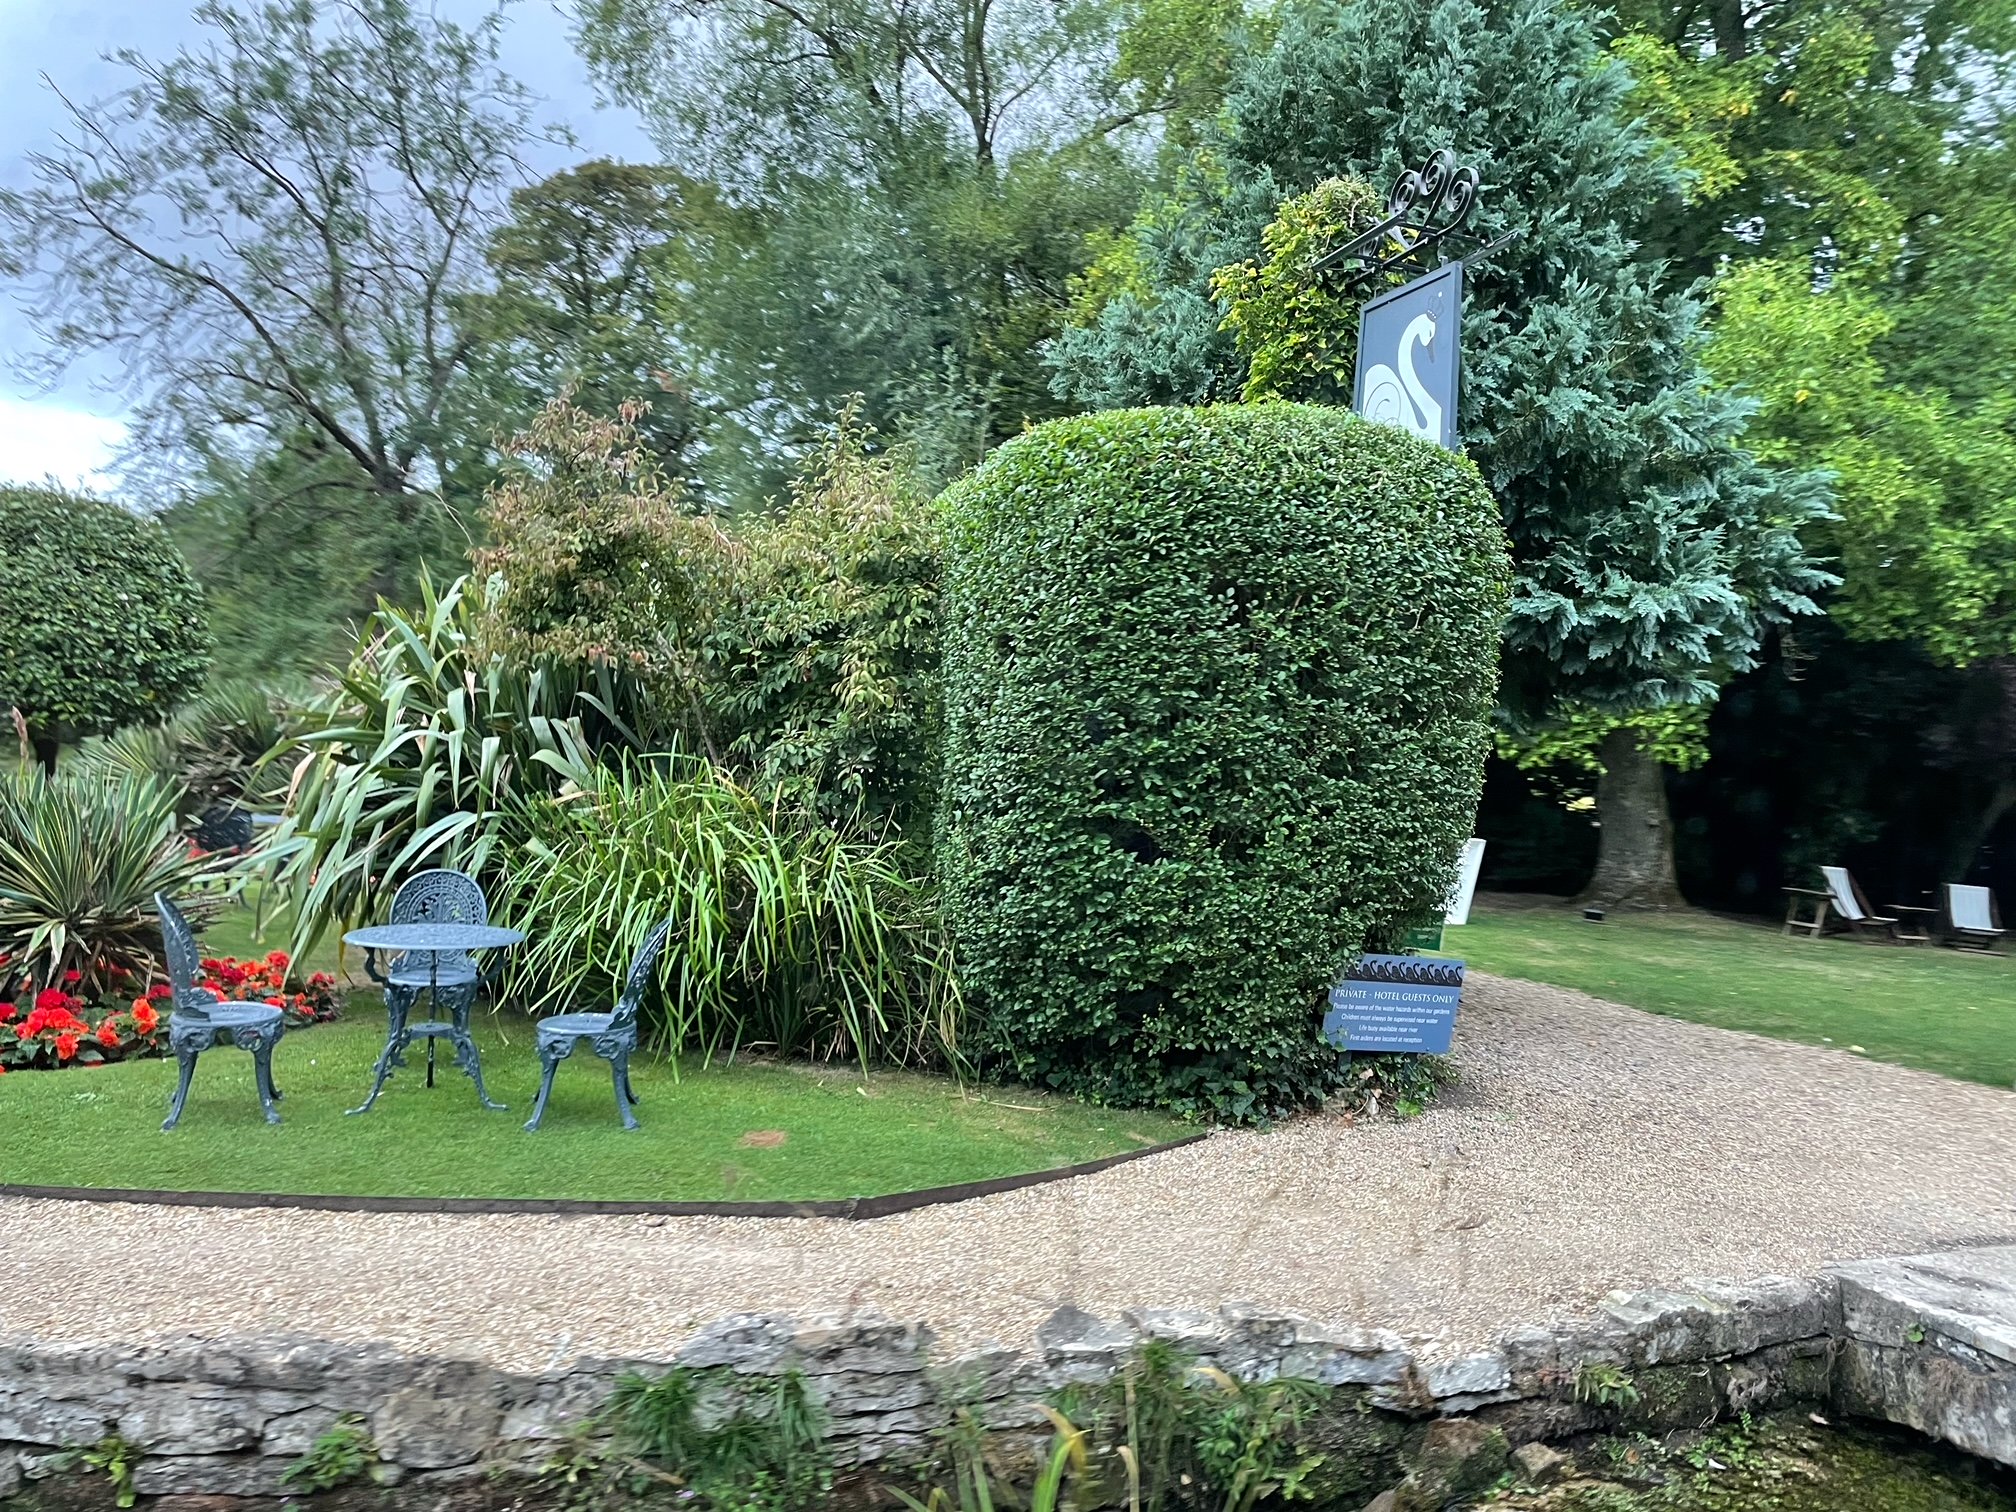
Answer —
1395 1003
1407 356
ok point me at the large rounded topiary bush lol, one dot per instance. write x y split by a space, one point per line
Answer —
100 624
1216 683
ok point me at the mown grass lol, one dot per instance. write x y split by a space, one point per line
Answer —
709 1134
843 1134
1936 1009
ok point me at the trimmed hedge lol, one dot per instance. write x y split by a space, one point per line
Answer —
100 624
1216 683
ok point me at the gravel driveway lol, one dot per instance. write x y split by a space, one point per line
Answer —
1590 1146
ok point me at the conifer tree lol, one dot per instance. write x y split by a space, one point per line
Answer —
1653 552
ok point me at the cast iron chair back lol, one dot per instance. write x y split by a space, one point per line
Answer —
643 967
439 897
185 961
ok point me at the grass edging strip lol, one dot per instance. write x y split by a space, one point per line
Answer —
854 1208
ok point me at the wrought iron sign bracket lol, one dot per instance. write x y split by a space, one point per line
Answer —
1428 206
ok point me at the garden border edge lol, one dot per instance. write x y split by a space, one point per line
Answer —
850 1208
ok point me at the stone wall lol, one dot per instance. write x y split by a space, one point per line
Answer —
229 1418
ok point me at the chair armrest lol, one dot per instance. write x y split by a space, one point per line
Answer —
1904 908
371 968
1807 892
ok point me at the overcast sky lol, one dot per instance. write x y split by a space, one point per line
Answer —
70 433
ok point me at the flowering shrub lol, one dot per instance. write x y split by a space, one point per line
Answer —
59 1028
314 1001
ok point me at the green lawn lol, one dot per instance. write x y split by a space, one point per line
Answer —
843 1135
1923 1006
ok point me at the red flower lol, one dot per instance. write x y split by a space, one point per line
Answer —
160 990
108 1034
66 1046
145 1018
274 1002
7 1012
277 960
49 999
72 978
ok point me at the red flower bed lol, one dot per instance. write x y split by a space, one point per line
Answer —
58 1029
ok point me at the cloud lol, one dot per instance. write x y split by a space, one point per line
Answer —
40 440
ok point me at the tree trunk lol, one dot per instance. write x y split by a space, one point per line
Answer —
46 749
1960 861
1634 860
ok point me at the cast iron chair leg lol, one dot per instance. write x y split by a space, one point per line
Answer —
628 1090
187 1062
545 1091
262 1067
616 1078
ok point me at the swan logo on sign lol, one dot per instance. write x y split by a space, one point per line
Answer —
1407 356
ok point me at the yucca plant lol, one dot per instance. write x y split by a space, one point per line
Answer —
214 746
81 858
791 935
424 755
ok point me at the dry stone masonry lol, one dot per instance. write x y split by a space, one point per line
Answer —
1928 1341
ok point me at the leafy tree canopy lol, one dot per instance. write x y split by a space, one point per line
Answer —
103 626
1653 552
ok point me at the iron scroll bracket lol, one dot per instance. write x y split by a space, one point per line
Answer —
1427 207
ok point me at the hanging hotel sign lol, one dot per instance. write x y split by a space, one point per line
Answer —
1408 338
1407 345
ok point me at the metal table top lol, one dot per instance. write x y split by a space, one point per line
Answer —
433 937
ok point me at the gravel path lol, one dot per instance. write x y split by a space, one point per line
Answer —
1590 1146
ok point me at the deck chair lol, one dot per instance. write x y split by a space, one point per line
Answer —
1904 924
1973 921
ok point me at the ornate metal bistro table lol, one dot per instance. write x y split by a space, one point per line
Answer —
433 941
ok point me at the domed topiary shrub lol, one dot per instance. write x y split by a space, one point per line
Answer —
100 625
1216 683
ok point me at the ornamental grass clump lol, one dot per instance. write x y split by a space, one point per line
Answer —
792 936
1216 683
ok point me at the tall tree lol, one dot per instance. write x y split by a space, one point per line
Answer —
1851 174
265 232
578 272
1653 552
915 182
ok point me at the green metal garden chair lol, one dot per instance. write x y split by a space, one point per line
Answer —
610 1035
199 1020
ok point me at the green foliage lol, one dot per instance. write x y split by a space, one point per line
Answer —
1402 1085
574 309
115 1458
343 1452
267 230
822 675
1215 684
424 755
912 185
791 936
1299 336
732 1445
212 749
1162 1435
80 861
102 625
1653 553
593 560
1568 746
799 646
1925 482
1604 1385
